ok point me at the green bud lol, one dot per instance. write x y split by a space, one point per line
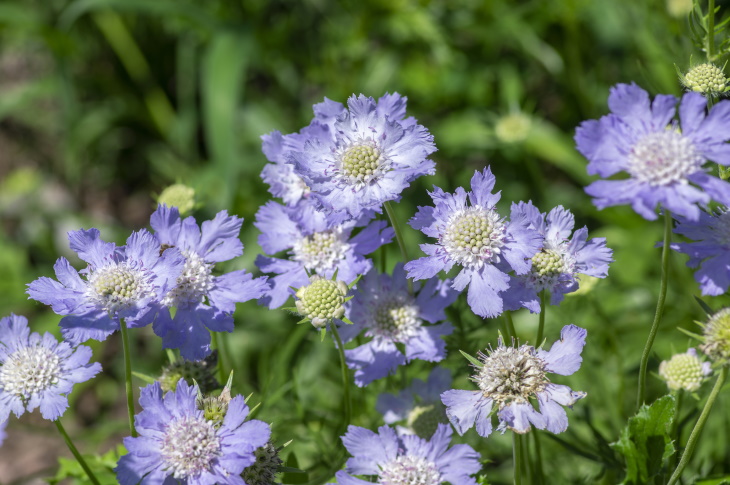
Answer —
322 300
513 127
264 469
717 337
706 79
424 420
684 371
202 372
180 196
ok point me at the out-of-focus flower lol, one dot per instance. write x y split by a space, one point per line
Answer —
178 195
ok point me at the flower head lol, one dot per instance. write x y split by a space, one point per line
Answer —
510 377
478 239
202 301
322 301
176 444
408 459
283 180
555 268
383 307
118 283
38 371
178 195
707 79
264 470
665 164
716 336
684 371
201 372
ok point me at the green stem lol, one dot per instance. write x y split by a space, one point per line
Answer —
510 325
697 430
674 431
659 309
222 378
711 30
541 323
399 238
517 457
345 376
538 458
76 453
128 376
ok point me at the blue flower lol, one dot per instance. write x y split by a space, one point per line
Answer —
356 159
314 245
38 371
408 459
119 282
203 302
3 434
711 251
283 180
664 164
387 312
561 259
176 444
510 377
478 239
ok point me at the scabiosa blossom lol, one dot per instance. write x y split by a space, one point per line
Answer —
387 312
408 459
711 251
370 154
119 282
509 377
203 302
664 163
3 434
562 258
418 405
684 371
478 239
38 371
176 444
314 245
716 337
283 180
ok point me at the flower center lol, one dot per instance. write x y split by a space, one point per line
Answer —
362 162
320 251
511 374
409 470
30 370
474 236
396 318
117 287
322 300
717 336
547 267
193 284
682 371
189 446
664 158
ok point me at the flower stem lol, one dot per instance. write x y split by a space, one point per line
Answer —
345 377
128 376
659 309
510 325
76 453
711 30
674 431
541 323
517 457
399 238
697 430
221 355
538 458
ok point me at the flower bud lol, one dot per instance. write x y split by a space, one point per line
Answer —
180 196
684 371
264 469
322 300
717 337
706 79
201 371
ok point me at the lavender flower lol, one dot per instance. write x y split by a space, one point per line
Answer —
711 251
203 302
3 434
476 238
176 444
118 283
314 245
363 156
664 163
509 377
408 459
562 258
383 307
38 371
283 180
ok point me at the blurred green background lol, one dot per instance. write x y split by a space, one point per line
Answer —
103 103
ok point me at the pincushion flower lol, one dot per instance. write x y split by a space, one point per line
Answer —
202 301
710 251
372 152
408 459
510 377
119 282
664 160
3 434
314 245
562 258
177 444
684 371
475 237
390 315
37 371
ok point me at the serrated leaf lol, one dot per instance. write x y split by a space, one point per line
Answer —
475 362
645 442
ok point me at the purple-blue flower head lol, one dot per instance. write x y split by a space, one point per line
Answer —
314 245
390 315
664 160
119 282
562 257
710 251
176 444
203 301
408 459
358 158
475 237
283 180
510 377
38 371
3 434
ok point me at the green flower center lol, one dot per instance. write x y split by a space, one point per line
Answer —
117 287
322 300
717 336
682 371
705 79
396 318
321 251
363 162
474 236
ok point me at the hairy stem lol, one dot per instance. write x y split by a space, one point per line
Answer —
76 453
128 376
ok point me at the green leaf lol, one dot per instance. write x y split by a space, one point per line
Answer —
144 377
645 442
708 310
290 477
70 471
471 359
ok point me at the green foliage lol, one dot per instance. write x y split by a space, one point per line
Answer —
69 471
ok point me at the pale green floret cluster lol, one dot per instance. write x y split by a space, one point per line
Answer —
424 420
322 300
706 79
513 128
180 196
28 371
320 251
214 407
717 337
362 162
547 262
264 469
511 374
473 236
116 287
189 446
682 371
409 470
396 317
